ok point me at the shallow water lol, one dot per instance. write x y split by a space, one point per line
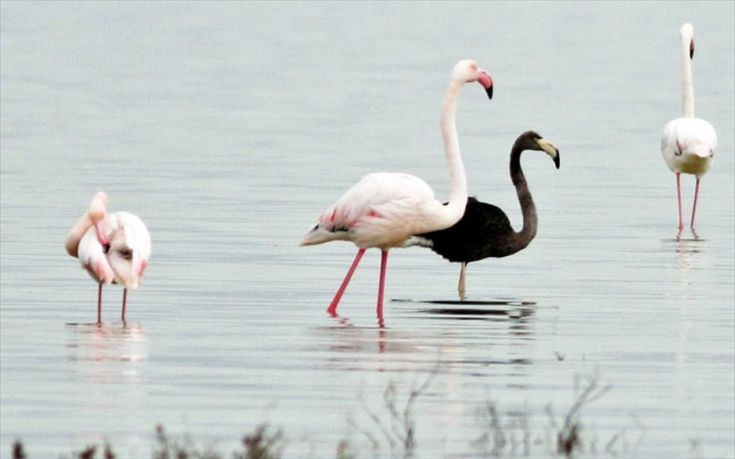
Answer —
229 128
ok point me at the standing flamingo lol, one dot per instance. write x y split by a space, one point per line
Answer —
384 209
484 230
112 248
688 143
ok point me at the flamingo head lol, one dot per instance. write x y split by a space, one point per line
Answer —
687 36
530 140
130 249
467 71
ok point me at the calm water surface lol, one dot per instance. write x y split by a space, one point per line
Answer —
228 128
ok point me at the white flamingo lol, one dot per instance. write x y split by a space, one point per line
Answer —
385 209
688 143
112 248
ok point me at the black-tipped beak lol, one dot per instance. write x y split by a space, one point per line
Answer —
557 159
691 49
487 82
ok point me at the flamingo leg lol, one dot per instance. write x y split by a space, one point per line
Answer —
99 303
461 283
124 303
332 310
694 208
678 198
381 286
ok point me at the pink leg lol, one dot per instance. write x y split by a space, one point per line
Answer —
678 197
381 288
125 303
694 208
332 310
99 304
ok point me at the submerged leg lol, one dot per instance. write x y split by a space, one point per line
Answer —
461 284
678 198
381 286
99 303
694 208
332 310
125 303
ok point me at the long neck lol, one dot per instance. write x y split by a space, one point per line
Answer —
76 233
530 219
454 210
687 88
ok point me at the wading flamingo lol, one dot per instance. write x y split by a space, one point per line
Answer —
688 143
484 230
384 209
112 248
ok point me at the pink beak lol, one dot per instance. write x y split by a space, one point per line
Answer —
486 83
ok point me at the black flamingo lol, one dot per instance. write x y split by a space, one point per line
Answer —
484 230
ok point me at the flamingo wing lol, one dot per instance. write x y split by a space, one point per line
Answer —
130 248
688 144
382 210
93 258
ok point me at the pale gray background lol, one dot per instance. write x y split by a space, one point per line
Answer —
230 127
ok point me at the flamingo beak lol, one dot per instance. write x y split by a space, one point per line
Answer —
550 150
691 49
486 83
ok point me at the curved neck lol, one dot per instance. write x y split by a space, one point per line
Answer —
454 209
530 219
687 88
76 234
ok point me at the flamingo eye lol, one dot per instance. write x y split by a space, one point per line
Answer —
126 254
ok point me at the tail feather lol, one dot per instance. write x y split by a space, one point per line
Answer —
418 241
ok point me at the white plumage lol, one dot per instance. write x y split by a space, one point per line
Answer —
688 144
383 209
112 248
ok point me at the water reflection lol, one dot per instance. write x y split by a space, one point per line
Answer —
484 333
476 309
348 338
689 253
691 258
104 351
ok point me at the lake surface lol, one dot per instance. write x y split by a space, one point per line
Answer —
230 127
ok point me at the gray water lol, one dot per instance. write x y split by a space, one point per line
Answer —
230 127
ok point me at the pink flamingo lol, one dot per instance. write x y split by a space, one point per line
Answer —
688 144
383 210
112 248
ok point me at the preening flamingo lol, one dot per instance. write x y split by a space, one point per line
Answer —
112 248
384 209
688 143
484 230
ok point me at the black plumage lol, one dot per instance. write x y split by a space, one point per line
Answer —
484 230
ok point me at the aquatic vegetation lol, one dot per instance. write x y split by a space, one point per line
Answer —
262 443
17 450
389 430
394 426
